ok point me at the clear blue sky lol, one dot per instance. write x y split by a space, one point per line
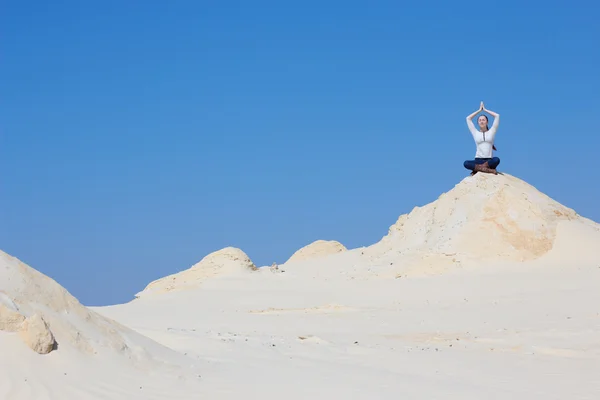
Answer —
139 136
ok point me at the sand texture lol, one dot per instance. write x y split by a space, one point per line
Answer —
489 292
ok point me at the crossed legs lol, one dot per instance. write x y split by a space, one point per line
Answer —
482 165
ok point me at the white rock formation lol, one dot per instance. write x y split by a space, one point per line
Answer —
36 334
33 330
318 248
227 261
10 319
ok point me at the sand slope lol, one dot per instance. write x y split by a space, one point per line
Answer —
92 356
490 291
484 219
499 217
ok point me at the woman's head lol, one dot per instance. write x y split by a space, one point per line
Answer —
483 122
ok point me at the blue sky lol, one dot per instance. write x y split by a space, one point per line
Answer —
137 137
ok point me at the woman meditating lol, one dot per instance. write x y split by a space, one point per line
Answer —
484 140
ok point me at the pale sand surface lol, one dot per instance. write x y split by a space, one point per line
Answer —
435 310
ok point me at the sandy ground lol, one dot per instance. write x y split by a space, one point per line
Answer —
488 333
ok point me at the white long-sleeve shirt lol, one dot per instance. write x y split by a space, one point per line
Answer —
484 140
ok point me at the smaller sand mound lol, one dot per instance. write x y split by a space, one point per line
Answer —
227 261
319 248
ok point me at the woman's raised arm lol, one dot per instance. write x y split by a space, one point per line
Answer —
470 118
496 116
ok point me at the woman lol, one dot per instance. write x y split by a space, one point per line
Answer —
484 140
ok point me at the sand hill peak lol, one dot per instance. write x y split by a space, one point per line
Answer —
483 216
227 261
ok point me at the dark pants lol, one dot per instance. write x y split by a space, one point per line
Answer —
492 162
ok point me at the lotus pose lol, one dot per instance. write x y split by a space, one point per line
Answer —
484 140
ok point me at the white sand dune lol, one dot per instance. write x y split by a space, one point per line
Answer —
316 249
503 218
491 291
224 262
